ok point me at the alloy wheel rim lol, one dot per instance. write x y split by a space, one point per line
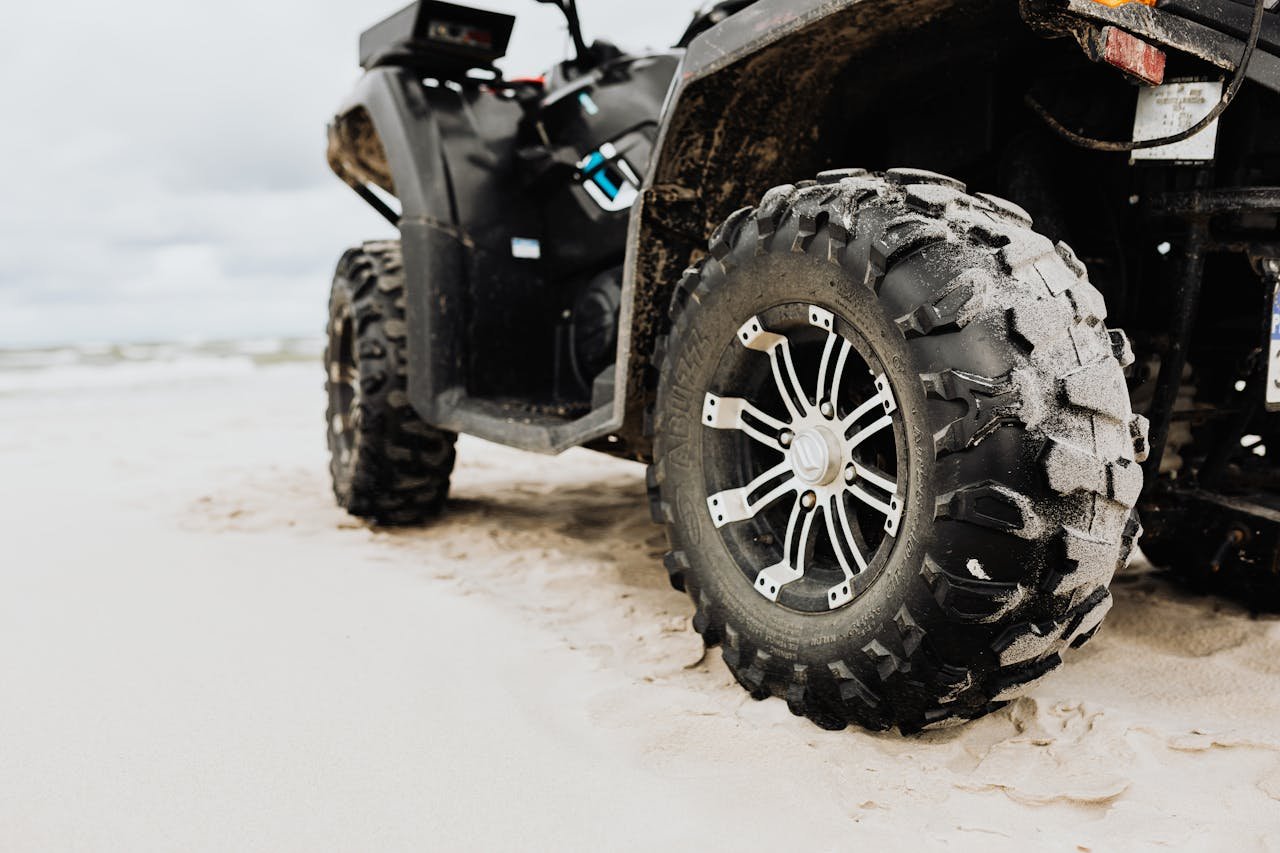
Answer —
811 466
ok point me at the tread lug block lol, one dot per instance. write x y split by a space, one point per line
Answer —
1087 617
1028 641
906 177
772 209
851 687
1090 562
1069 258
806 229
970 599
1128 538
726 236
1006 209
835 176
991 403
963 300
680 295
1032 260
991 505
676 563
886 662
934 199
1097 388
900 238
910 633
1088 304
1124 481
1012 682
1139 426
1042 326
703 622
956 680
731 647
1070 469
753 676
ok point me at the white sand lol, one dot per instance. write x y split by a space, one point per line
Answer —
198 651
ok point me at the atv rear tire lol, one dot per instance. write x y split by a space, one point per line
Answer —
387 465
1005 486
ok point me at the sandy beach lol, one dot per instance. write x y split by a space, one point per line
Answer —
199 651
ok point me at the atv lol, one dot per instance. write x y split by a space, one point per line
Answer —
893 432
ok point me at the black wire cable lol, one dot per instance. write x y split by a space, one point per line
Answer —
1228 96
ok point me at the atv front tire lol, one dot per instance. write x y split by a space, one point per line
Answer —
915 530
388 466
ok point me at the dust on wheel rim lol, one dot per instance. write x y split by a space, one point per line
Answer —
344 383
806 478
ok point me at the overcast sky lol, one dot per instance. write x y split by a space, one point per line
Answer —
164 159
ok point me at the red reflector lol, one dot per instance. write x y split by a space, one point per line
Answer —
1133 56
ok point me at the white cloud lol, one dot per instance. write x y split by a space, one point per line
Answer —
165 173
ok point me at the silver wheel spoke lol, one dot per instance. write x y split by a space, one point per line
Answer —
842 539
789 384
851 420
733 412
870 500
822 367
875 477
736 505
795 552
866 432
892 511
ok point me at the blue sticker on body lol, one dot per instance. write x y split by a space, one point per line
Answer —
588 104
526 248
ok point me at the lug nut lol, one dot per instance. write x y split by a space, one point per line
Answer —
785 438
827 409
850 474
809 500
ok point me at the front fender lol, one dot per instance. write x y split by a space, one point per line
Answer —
385 134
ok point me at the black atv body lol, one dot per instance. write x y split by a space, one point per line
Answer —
642 254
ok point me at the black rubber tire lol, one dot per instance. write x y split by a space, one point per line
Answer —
387 465
1023 455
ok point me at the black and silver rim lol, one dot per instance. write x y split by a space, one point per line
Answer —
344 384
805 479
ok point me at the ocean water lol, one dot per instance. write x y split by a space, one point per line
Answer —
90 366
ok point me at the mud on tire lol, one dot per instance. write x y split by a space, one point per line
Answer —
387 465
1019 451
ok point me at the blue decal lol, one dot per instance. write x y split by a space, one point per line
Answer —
588 104
606 185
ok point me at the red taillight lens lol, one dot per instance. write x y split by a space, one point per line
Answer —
1132 55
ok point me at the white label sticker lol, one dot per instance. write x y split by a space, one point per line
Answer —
526 247
1170 109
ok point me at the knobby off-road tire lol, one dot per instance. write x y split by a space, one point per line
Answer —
1016 450
388 467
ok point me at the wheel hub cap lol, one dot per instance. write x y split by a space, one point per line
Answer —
815 456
